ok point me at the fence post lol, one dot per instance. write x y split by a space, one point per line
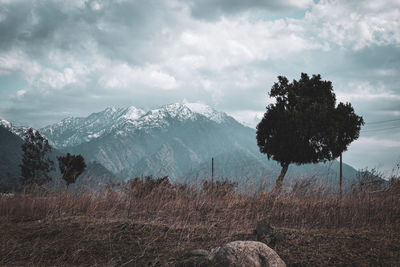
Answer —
212 171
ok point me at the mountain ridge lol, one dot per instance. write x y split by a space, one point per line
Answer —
131 118
176 140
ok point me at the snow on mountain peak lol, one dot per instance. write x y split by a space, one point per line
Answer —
206 111
177 110
133 113
18 130
74 131
157 116
5 123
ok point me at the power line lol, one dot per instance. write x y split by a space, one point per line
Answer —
381 129
377 126
378 122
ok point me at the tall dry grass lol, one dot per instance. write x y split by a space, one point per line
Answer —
305 205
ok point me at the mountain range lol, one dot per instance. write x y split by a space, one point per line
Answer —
176 140
95 175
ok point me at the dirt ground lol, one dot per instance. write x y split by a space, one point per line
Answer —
88 241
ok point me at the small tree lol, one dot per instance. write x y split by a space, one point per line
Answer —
71 166
35 165
304 125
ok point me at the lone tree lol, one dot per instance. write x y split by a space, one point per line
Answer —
35 165
304 125
71 166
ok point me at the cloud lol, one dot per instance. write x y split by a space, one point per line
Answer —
60 58
365 91
379 142
249 118
18 62
382 154
355 25
124 76
213 10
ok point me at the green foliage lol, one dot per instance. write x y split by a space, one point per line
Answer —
71 166
35 165
304 125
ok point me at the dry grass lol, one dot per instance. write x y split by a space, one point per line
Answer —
156 222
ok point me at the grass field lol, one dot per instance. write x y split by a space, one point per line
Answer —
155 223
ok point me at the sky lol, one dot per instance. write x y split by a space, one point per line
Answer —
71 58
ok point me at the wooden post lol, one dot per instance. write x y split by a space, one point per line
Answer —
212 171
341 177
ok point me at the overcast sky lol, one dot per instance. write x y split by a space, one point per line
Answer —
71 58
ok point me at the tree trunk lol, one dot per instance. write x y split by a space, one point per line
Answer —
66 188
279 181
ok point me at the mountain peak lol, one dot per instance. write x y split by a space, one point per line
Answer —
207 111
133 113
176 110
18 130
5 123
122 121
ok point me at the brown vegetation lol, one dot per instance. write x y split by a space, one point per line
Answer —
155 222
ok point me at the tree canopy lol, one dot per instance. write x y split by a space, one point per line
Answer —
304 125
36 165
71 166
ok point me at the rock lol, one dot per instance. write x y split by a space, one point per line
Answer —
266 234
237 253
245 253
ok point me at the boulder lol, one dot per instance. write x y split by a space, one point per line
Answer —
245 253
236 253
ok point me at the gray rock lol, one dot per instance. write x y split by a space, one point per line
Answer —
245 253
237 253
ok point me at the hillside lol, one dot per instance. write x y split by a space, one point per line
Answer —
95 175
10 158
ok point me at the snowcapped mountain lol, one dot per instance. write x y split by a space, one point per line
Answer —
177 140
123 121
173 138
17 130
74 131
207 111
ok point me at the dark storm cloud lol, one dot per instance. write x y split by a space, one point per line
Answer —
123 30
30 25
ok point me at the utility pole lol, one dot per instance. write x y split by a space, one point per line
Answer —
212 171
341 177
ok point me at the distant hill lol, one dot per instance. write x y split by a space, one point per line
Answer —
177 140
10 158
95 175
